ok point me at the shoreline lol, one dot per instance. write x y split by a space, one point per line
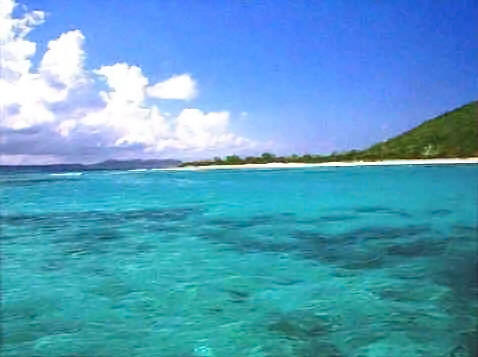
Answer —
292 165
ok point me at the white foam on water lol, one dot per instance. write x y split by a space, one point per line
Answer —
67 174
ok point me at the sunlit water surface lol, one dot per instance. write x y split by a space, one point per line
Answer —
360 261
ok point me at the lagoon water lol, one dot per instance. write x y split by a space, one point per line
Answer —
356 261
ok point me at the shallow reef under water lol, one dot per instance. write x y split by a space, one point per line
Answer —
344 262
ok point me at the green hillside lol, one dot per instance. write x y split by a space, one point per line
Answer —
453 134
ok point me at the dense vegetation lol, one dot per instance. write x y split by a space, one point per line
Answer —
453 134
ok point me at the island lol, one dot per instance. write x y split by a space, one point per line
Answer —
448 138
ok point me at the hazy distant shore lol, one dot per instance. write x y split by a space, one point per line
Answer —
290 165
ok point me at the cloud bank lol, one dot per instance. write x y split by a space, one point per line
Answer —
56 113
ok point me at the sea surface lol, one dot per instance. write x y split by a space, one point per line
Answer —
322 262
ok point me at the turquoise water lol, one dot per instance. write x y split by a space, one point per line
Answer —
358 261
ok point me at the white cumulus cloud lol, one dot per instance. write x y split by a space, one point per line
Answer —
177 87
56 112
63 61
127 83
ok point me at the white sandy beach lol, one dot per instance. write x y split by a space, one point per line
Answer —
292 165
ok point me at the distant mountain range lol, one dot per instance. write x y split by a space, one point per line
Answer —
105 165
450 135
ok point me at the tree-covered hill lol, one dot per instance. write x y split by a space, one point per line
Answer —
453 134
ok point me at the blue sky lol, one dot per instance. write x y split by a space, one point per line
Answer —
297 76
